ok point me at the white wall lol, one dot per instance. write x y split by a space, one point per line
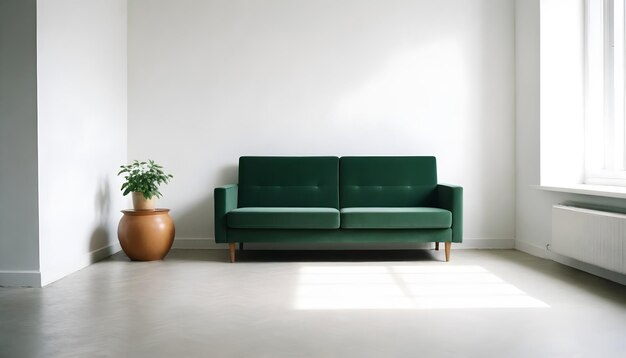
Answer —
533 208
82 130
210 81
19 245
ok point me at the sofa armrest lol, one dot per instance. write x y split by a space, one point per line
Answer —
450 197
225 200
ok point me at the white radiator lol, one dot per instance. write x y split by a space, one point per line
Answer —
592 236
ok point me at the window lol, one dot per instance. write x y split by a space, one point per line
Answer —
582 134
605 132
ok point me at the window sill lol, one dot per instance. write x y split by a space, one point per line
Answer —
587 189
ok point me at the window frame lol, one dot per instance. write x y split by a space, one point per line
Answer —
605 100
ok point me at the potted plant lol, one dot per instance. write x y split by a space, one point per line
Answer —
143 180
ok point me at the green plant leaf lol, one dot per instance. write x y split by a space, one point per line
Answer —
143 177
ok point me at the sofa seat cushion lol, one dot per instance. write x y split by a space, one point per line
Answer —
283 218
395 218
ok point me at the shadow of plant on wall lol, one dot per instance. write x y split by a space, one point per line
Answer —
100 237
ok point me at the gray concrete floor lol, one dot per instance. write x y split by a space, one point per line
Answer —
484 303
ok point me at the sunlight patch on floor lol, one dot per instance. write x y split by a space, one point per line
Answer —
406 287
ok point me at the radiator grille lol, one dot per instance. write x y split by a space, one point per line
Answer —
592 236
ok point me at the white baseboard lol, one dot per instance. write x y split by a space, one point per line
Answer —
47 276
543 252
104 252
484 243
532 249
468 243
68 267
20 279
594 270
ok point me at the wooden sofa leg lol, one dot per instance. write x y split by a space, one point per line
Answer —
447 248
437 246
231 247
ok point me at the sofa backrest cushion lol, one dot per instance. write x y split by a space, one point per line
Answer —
387 181
288 182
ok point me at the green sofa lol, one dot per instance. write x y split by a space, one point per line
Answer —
330 199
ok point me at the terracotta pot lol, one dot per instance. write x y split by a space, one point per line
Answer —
141 203
146 235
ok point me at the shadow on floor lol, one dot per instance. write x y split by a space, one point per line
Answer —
337 255
250 255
